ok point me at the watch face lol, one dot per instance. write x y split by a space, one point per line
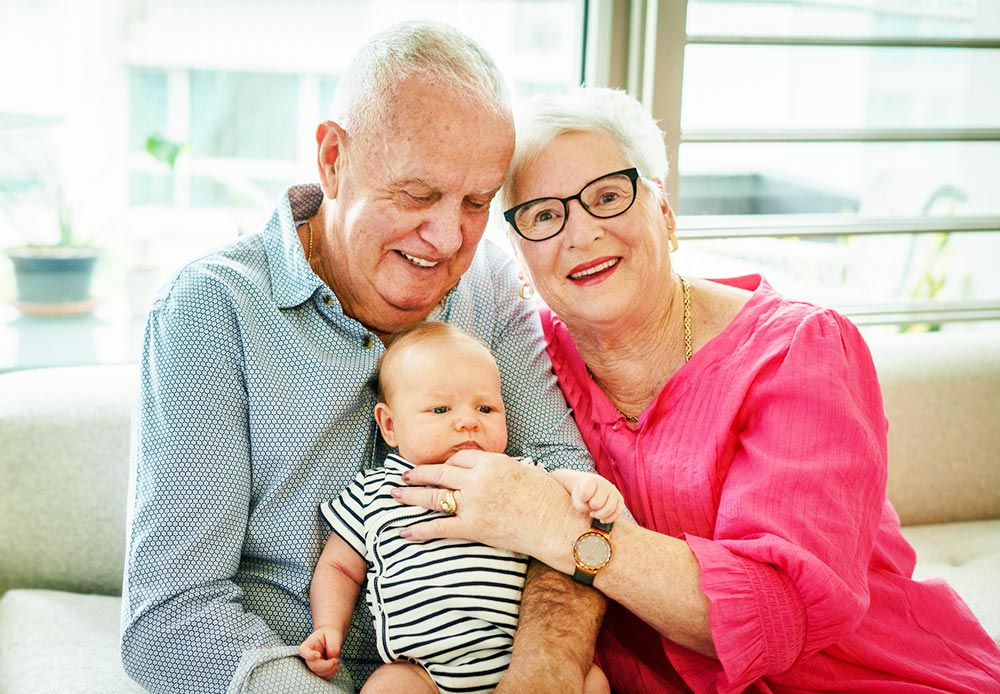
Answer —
592 551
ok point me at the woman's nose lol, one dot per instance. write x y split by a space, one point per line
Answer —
581 228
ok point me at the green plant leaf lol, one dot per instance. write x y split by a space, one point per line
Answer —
163 149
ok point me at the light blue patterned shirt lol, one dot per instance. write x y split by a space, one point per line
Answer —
256 405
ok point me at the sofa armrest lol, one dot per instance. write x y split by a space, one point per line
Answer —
64 462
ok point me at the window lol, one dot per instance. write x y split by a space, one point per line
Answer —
848 149
239 87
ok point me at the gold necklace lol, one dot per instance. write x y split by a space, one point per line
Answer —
309 254
688 345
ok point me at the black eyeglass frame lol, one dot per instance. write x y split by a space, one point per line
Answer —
632 174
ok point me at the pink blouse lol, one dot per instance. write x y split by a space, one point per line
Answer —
766 453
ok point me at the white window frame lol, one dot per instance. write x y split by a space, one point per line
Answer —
639 45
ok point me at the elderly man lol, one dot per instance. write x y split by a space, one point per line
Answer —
258 381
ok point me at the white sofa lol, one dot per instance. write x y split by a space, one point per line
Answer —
64 445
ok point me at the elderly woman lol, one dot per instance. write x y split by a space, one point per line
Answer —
745 430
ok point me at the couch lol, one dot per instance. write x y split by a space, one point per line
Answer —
64 450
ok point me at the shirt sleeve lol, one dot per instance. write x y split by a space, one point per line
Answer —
345 514
183 624
786 570
539 422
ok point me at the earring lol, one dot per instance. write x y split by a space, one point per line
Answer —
672 240
525 291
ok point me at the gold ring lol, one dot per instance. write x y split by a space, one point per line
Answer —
448 503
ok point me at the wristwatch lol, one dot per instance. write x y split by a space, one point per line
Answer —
592 551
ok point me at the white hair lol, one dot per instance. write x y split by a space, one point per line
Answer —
610 112
431 51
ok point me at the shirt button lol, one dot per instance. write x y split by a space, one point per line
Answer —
327 299
367 341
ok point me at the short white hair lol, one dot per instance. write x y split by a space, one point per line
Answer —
430 51
612 112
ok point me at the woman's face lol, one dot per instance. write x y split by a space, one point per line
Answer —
599 272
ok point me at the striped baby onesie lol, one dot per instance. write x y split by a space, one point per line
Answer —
448 605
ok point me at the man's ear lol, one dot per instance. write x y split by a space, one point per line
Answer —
330 142
383 417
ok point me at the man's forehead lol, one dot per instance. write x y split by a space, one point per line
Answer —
443 142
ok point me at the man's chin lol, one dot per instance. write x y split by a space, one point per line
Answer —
418 301
398 314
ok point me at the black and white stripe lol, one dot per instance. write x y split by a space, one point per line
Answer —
449 605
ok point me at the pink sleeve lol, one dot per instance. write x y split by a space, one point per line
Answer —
786 569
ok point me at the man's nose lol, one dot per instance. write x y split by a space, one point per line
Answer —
443 228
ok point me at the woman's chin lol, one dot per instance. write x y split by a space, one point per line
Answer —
600 312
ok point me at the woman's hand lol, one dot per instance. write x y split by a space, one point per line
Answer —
501 503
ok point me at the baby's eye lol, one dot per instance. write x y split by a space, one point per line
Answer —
485 409
440 409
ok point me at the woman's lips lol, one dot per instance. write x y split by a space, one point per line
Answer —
593 269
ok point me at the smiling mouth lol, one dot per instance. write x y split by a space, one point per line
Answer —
590 271
419 262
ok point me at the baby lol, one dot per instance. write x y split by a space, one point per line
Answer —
445 610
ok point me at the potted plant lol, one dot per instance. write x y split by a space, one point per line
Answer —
55 279
54 267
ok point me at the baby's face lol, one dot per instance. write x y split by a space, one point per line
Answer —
444 397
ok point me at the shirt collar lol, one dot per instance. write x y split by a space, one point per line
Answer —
397 464
292 280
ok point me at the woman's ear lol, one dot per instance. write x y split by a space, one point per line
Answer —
383 417
668 212
665 208
330 142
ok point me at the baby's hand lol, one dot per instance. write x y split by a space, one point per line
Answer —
321 651
599 497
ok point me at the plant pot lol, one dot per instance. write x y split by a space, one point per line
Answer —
54 280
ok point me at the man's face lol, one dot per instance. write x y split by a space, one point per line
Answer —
411 205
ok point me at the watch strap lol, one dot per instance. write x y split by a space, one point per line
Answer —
598 525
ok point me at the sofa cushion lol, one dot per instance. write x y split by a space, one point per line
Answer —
64 466
967 556
52 641
942 396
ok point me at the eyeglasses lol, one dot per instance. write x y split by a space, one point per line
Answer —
608 196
